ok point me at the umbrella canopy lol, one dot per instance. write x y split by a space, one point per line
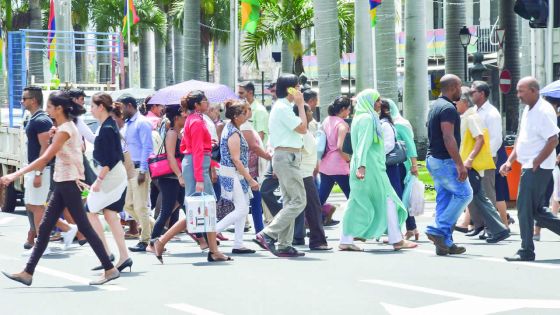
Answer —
216 93
552 90
135 92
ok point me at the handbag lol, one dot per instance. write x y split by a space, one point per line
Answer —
215 153
223 208
483 160
321 143
159 165
413 196
398 154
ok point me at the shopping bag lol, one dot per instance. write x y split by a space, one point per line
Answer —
413 196
201 213
483 160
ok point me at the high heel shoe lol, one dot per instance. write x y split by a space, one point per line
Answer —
212 259
127 263
18 278
410 234
100 267
157 251
104 280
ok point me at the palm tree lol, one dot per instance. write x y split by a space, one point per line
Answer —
454 20
364 57
191 36
152 19
508 21
415 99
328 56
386 50
80 22
160 48
36 57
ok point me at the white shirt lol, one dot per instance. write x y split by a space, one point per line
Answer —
388 136
492 119
211 127
84 130
537 125
309 155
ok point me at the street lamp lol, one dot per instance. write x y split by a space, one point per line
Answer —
465 38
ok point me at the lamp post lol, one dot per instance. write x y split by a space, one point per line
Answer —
465 37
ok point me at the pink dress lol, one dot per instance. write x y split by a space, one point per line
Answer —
332 162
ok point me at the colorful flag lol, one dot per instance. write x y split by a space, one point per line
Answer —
250 14
51 40
129 15
373 11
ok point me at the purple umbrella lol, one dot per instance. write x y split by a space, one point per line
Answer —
216 93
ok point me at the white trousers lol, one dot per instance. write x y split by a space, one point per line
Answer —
237 216
393 228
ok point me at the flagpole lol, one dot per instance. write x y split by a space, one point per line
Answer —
130 68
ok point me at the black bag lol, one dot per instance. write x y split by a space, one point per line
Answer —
347 145
215 154
223 208
398 154
89 174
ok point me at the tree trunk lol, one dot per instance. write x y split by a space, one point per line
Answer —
191 35
454 53
226 61
328 51
386 51
510 102
287 58
415 101
36 61
169 75
144 49
160 61
178 54
363 40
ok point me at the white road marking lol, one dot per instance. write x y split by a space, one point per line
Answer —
6 220
500 260
474 304
77 279
194 310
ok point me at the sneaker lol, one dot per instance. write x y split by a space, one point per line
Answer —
288 252
456 250
69 236
439 242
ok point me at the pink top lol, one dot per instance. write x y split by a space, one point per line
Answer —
332 162
69 165
153 119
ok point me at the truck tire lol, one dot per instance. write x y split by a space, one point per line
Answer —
8 199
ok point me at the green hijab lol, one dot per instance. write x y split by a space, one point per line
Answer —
396 115
365 102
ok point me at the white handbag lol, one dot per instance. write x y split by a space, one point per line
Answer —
201 213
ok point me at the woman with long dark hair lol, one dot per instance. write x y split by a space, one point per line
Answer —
68 171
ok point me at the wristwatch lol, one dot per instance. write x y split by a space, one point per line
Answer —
38 173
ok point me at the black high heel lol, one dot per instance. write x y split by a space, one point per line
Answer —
100 267
158 255
127 263
212 259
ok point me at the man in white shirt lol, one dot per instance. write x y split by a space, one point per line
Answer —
534 149
491 118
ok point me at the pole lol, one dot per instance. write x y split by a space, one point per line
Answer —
236 46
349 79
549 65
262 87
130 84
374 59
466 78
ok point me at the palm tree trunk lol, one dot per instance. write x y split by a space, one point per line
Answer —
415 100
160 61
386 51
363 40
178 55
169 75
328 52
226 61
287 58
508 21
36 57
191 36
144 49
454 53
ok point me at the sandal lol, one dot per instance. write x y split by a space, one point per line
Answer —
411 233
404 245
349 248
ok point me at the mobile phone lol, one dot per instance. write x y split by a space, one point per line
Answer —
292 91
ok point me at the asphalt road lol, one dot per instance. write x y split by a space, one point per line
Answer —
377 281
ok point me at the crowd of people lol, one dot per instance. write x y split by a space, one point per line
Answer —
280 167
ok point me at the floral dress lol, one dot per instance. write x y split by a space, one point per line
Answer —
228 172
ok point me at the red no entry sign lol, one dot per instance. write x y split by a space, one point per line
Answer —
505 81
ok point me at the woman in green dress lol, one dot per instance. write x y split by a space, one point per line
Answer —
410 166
373 207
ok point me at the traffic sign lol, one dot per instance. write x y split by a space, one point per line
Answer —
505 81
501 34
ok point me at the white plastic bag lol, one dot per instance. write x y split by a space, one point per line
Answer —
416 206
201 213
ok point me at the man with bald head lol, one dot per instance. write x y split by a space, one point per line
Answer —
534 150
453 192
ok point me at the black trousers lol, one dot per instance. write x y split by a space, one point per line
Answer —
66 195
171 193
313 216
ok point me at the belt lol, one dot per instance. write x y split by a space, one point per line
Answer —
288 149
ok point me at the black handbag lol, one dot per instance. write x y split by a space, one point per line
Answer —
398 154
215 153
223 208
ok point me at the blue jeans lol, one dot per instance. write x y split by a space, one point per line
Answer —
327 183
452 197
